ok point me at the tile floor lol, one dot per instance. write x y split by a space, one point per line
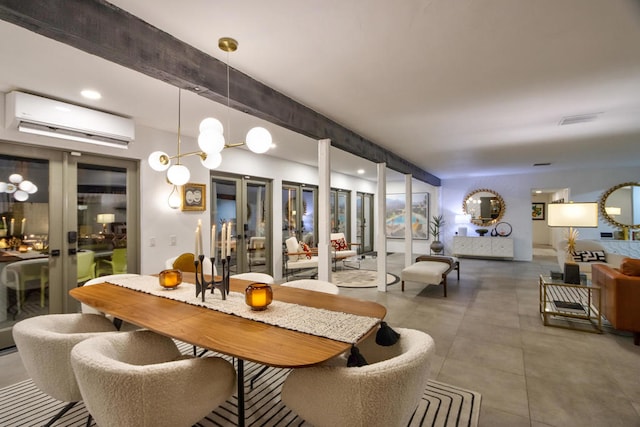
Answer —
490 339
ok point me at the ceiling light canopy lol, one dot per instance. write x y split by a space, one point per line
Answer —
211 140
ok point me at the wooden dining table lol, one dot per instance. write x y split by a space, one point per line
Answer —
241 338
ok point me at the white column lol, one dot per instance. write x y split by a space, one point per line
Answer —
408 223
381 238
324 227
276 229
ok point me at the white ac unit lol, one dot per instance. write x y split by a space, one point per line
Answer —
44 116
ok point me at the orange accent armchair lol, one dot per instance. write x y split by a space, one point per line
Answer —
620 297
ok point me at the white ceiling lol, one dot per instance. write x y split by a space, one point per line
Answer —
460 88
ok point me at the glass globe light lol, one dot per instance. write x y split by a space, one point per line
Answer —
34 189
178 174
259 140
3 187
211 124
210 141
15 178
212 161
174 198
10 188
20 195
159 161
25 186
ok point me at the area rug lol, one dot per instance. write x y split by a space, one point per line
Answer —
22 404
353 278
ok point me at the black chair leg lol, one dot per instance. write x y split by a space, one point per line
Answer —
60 414
89 418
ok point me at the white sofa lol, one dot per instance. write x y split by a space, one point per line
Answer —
582 246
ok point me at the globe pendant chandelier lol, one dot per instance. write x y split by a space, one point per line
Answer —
19 187
211 140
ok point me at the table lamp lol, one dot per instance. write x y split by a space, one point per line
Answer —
572 215
105 219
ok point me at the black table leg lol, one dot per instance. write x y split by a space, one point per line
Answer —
240 393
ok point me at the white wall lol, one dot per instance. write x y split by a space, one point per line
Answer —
586 185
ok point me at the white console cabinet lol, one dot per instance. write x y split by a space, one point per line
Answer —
483 247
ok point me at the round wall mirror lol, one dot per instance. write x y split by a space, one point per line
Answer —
486 207
620 205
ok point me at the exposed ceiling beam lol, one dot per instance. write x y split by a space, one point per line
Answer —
104 30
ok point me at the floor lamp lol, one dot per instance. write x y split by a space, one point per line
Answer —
572 215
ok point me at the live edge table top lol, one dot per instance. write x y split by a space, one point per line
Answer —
232 335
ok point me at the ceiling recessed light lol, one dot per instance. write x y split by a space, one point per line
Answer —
538 191
360 171
91 94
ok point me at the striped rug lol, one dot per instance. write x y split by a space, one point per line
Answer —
22 404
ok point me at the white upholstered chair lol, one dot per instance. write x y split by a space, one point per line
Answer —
44 344
384 393
313 285
255 277
295 260
140 378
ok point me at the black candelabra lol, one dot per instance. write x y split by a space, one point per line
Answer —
202 284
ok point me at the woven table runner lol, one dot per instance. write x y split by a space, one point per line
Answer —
320 322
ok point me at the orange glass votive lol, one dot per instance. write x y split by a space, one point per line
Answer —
170 279
258 296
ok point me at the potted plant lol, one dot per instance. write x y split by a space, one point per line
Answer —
434 226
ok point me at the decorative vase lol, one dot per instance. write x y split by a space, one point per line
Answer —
437 246
170 279
258 296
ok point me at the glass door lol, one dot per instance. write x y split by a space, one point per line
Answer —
340 213
244 203
298 213
58 208
364 217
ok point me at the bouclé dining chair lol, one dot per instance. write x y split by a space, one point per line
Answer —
44 344
140 378
384 393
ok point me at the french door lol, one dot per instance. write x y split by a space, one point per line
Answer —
364 219
245 204
65 216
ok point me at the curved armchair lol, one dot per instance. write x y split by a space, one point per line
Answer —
141 379
26 275
185 262
122 326
116 265
86 266
313 285
256 277
384 393
44 344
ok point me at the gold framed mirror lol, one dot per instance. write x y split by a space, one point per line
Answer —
620 205
485 206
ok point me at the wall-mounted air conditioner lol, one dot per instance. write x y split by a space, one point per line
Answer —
43 116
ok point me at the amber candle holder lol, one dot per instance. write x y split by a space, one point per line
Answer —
170 279
258 296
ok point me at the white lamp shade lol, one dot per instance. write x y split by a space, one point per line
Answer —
572 214
106 218
211 141
611 210
34 189
3 187
155 162
15 178
259 140
178 174
25 186
211 124
20 195
212 161
10 188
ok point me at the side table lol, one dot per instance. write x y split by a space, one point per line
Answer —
564 300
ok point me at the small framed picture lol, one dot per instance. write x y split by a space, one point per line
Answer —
194 197
537 211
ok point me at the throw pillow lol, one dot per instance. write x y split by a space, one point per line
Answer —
589 256
630 267
339 244
185 262
306 249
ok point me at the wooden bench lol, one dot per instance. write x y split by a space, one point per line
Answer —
431 270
